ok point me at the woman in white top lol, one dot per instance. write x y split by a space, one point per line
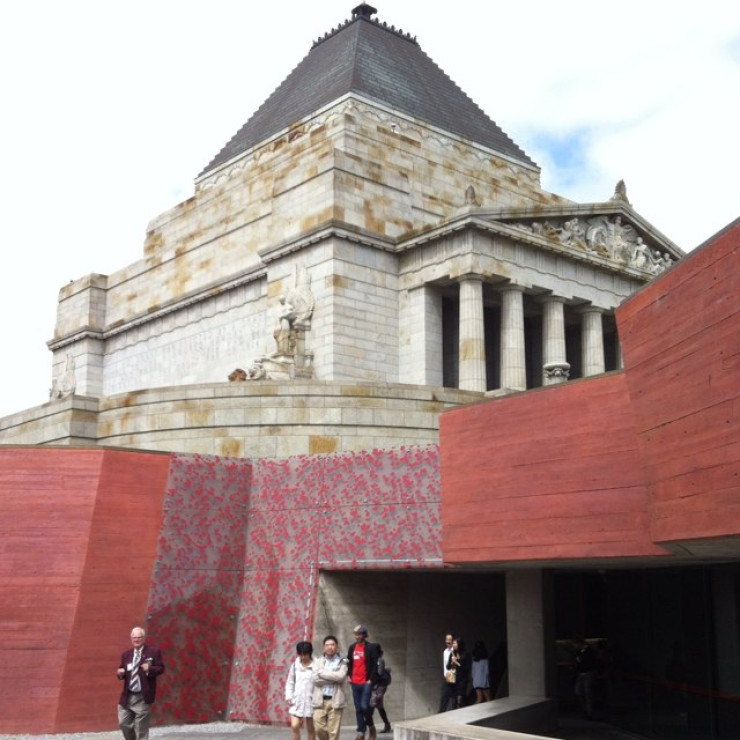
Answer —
299 691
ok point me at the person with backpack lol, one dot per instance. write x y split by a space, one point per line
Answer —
377 693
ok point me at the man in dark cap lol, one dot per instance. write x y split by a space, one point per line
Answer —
363 672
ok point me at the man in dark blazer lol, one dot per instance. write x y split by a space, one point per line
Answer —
138 669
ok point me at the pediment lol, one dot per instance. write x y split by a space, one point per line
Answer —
605 231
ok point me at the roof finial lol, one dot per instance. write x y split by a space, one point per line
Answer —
363 11
620 193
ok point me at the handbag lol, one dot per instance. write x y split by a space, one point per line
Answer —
451 675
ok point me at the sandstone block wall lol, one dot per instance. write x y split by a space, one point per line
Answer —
251 419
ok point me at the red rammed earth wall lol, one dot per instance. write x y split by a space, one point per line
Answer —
72 584
681 345
546 475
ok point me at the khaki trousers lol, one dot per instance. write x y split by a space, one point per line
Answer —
134 719
327 721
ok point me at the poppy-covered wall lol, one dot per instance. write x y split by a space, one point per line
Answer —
218 558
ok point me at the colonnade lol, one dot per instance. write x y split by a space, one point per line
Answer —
472 351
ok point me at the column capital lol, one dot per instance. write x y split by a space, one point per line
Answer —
473 276
511 287
588 308
555 372
551 298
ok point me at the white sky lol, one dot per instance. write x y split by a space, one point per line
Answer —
110 110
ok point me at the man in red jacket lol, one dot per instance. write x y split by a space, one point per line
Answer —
138 669
362 660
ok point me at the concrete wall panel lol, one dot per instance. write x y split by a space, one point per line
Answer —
681 345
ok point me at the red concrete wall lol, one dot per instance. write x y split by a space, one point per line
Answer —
681 345
547 475
72 585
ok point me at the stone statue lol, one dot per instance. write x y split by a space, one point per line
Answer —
284 333
256 371
291 358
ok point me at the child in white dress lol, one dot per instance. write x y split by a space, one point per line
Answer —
299 691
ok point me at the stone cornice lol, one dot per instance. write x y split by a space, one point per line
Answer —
207 292
326 231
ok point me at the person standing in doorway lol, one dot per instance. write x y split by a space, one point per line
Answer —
460 662
363 672
139 667
584 665
330 690
448 692
481 673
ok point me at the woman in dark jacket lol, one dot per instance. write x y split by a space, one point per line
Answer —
460 662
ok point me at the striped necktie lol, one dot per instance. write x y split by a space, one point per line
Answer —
135 683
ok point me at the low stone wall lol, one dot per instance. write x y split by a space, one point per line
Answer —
249 419
510 718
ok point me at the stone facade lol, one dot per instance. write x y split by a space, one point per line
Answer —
377 217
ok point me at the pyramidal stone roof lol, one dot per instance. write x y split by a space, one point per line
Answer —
378 62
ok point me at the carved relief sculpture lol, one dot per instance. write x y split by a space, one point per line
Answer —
608 237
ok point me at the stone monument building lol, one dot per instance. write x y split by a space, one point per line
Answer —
368 230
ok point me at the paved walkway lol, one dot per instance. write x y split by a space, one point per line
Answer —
215 731
570 730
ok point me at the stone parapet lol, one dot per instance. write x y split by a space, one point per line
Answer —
247 419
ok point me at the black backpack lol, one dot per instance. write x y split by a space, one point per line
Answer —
385 678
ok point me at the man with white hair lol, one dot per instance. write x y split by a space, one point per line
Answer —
139 667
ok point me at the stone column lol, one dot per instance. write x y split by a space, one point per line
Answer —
513 364
472 369
555 368
592 341
618 351
525 634
421 336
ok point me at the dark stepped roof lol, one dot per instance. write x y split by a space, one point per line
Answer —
376 61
